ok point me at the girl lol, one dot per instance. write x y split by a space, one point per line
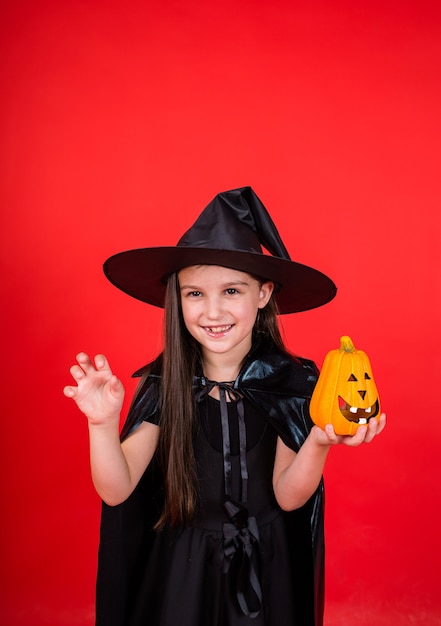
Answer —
213 493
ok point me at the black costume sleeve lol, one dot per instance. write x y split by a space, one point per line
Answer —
145 404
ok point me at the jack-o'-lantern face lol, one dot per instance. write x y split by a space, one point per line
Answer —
345 395
357 393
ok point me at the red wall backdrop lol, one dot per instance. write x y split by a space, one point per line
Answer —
119 122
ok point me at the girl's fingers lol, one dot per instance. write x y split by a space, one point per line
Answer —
382 423
101 363
359 436
77 372
84 362
87 366
371 431
69 391
375 428
329 430
364 434
367 434
116 386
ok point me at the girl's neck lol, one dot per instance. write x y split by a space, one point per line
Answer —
224 366
221 369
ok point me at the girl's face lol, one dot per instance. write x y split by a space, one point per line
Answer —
220 306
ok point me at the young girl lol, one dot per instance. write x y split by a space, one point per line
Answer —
212 494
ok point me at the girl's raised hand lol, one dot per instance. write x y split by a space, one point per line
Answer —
98 393
364 434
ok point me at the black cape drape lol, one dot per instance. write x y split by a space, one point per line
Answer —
280 387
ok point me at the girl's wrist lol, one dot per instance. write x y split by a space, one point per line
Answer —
111 425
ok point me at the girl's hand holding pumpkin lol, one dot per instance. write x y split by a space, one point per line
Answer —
99 394
364 434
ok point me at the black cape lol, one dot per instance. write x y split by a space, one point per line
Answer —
280 387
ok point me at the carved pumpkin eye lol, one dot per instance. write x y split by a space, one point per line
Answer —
353 378
367 377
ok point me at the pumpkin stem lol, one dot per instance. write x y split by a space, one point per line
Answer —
346 344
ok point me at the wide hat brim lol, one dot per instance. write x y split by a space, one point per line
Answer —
143 273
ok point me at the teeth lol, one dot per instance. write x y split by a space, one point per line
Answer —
361 415
219 329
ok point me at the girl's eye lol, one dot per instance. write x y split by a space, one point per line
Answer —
194 294
231 291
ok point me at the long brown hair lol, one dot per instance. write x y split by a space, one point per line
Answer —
181 358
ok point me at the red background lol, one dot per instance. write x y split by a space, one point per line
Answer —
119 123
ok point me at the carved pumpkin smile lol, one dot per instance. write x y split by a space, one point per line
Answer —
357 414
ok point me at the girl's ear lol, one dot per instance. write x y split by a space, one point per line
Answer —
266 289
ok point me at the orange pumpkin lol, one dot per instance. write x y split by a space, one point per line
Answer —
345 395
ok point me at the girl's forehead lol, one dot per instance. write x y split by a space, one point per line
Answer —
212 272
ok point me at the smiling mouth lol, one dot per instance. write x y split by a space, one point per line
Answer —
216 331
355 414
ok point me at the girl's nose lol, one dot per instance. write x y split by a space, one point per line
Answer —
214 308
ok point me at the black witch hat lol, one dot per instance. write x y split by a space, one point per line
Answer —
229 232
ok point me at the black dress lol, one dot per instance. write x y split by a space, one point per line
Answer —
265 569
195 589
